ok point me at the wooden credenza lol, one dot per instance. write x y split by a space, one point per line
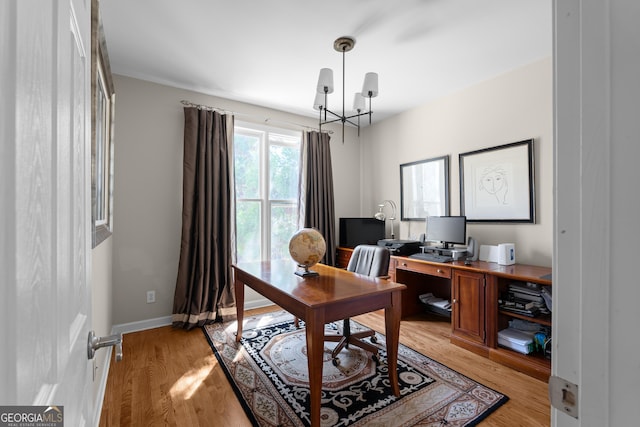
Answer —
474 291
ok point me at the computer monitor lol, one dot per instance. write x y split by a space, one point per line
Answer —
447 230
360 231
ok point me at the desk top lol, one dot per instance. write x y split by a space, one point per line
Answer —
331 286
522 272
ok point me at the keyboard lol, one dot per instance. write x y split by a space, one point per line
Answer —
431 257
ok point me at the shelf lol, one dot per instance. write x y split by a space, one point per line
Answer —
534 364
543 320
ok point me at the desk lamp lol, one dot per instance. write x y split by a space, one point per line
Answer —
380 216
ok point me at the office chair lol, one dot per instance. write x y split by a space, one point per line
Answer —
371 261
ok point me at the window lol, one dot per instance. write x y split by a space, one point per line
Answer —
266 180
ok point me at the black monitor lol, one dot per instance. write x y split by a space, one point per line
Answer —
360 231
448 230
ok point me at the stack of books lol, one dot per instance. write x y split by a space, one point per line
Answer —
524 298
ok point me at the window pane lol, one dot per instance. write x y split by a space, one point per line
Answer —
248 231
283 225
247 166
283 171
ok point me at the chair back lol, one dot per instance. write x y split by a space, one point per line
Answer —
370 260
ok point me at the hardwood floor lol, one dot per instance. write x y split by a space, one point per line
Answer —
171 377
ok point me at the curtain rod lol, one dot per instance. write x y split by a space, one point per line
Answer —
267 120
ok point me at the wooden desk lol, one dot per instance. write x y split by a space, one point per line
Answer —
333 295
474 291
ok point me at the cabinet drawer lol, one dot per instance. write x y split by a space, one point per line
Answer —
424 268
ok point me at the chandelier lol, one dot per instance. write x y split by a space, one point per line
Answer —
325 87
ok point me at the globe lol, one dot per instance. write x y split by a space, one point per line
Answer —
307 247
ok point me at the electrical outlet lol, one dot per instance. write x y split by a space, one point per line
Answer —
151 297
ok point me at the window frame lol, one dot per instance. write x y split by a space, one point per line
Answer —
266 204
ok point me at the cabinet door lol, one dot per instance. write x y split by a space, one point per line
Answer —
468 308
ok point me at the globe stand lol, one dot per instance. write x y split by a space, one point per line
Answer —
306 272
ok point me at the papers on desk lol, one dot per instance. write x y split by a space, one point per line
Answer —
520 341
431 300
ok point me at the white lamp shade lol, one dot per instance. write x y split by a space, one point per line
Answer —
370 86
325 80
358 102
318 103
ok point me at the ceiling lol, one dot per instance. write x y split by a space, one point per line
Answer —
269 53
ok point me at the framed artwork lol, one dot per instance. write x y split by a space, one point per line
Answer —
102 116
497 184
424 189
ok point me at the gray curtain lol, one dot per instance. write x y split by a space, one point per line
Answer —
204 286
316 191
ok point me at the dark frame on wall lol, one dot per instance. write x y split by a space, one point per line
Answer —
424 189
102 118
497 183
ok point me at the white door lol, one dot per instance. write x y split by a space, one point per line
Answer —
595 279
45 64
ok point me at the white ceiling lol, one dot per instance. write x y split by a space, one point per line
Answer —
269 53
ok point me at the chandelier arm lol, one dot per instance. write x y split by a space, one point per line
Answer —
346 120
326 110
356 115
339 119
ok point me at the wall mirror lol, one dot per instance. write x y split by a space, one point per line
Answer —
102 115
424 189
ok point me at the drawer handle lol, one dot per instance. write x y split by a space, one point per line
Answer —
404 264
439 271
455 301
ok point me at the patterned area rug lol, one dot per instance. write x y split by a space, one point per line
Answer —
268 370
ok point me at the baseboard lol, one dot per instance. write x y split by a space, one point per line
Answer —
142 325
259 303
159 322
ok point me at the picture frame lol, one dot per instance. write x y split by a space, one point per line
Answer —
497 183
424 189
102 117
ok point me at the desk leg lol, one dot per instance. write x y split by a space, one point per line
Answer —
239 289
392 330
315 347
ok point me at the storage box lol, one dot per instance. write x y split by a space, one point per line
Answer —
520 341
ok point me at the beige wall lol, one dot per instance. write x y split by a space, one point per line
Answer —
148 188
509 108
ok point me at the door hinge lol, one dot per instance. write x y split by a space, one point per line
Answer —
563 395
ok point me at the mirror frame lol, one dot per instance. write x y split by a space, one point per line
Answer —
413 206
102 119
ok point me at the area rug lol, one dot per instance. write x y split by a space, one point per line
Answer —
268 371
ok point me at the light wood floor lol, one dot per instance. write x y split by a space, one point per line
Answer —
171 377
